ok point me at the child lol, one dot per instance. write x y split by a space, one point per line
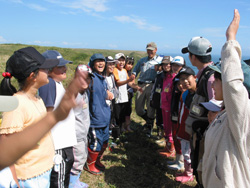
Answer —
30 69
27 139
122 79
63 134
110 65
99 116
129 66
166 94
155 101
82 120
225 161
188 81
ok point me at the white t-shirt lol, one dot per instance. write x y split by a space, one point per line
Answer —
109 85
121 75
6 178
63 133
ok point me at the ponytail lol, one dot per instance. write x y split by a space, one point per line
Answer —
6 88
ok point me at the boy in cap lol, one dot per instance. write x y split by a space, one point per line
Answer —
199 50
122 79
145 67
63 134
99 115
188 81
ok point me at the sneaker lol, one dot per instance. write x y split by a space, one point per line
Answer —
177 166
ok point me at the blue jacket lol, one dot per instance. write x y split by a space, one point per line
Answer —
98 108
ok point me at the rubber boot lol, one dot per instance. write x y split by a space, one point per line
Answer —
178 163
90 164
168 151
187 175
74 182
98 163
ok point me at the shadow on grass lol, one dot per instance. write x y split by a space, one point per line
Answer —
139 164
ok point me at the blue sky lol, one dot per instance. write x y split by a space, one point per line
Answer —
121 24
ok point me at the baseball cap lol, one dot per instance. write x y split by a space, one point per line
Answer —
26 60
178 60
212 105
185 70
151 46
119 55
53 54
85 68
198 46
246 73
166 59
8 103
95 57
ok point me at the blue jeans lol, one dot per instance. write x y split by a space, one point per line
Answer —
41 181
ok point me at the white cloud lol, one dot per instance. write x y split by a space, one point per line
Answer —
40 42
214 32
140 23
36 7
244 27
72 43
84 5
2 40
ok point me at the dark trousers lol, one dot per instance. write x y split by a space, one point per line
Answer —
60 176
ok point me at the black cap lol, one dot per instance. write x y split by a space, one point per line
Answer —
26 60
185 70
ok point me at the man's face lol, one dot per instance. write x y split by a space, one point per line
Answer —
151 53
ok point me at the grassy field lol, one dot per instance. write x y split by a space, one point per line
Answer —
134 163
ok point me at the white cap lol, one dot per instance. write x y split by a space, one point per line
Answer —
178 60
212 105
119 55
8 103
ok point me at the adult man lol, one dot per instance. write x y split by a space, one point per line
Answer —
145 66
199 50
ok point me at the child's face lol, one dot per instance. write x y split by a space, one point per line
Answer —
58 73
217 86
176 68
211 116
42 77
110 67
180 87
166 67
188 81
129 66
99 66
121 62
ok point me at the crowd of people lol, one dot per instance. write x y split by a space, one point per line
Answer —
49 133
